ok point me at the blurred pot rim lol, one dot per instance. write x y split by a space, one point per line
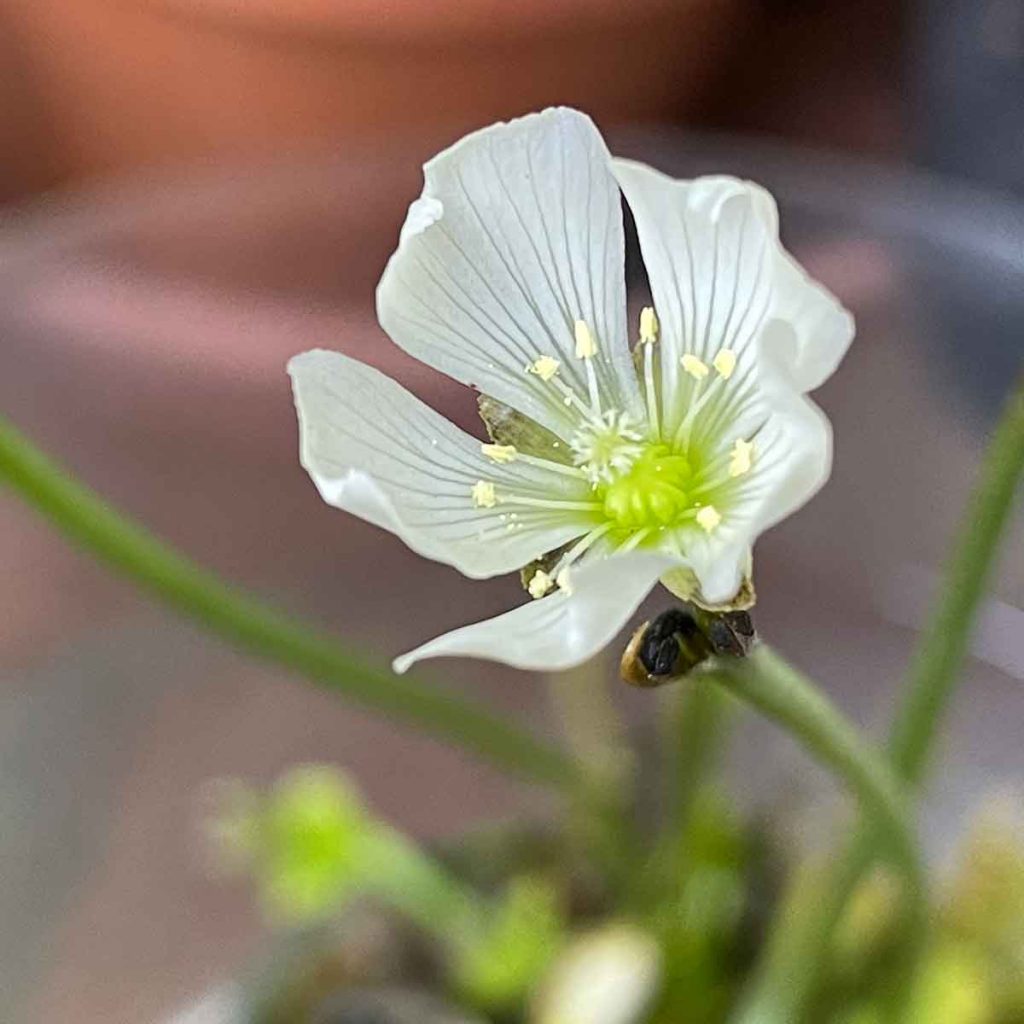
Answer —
427 22
894 199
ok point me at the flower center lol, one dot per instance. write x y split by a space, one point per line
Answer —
652 493
605 447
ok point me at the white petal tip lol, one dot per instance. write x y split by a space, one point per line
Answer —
402 664
303 360
423 213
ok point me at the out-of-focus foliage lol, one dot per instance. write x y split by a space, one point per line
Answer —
973 970
510 925
520 939
304 841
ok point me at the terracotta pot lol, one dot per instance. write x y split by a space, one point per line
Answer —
130 82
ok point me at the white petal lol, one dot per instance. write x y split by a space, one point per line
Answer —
795 447
792 461
517 235
719 563
560 630
822 327
378 452
720 276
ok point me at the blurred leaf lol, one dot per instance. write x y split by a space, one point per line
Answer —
524 933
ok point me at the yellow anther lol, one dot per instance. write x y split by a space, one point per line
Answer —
545 367
649 326
708 518
483 494
725 363
741 458
500 453
697 369
585 347
539 584
562 582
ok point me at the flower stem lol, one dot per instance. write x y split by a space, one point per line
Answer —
694 738
796 953
779 691
412 882
123 545
596 738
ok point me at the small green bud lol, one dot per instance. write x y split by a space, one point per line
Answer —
311 839
304 841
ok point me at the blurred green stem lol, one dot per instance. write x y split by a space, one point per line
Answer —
796 954
697 725
83 517
483 937
413 883
595 736
935 668
776 689
694 720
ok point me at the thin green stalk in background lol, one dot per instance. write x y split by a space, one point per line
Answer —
698 725
935 668
596 739
83 517
594 732
414 883
797 953
694 719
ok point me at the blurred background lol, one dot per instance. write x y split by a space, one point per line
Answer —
191 191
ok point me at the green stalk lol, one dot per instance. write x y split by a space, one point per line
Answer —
415 884
123 545
797 953
776 689
594 732
698 727
595 736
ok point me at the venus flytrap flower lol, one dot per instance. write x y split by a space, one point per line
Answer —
604 472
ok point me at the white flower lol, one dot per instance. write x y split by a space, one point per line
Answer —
620 466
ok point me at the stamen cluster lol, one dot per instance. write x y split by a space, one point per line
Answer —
607 446
643 484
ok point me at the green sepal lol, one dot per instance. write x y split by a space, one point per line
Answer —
683 584
506 426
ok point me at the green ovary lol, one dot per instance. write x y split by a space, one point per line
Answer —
652 494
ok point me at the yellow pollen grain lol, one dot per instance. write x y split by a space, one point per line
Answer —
563 583
741 458
697 369
585 346
649 326
725 363
483 494
539 584
708 518
500 453
544 367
